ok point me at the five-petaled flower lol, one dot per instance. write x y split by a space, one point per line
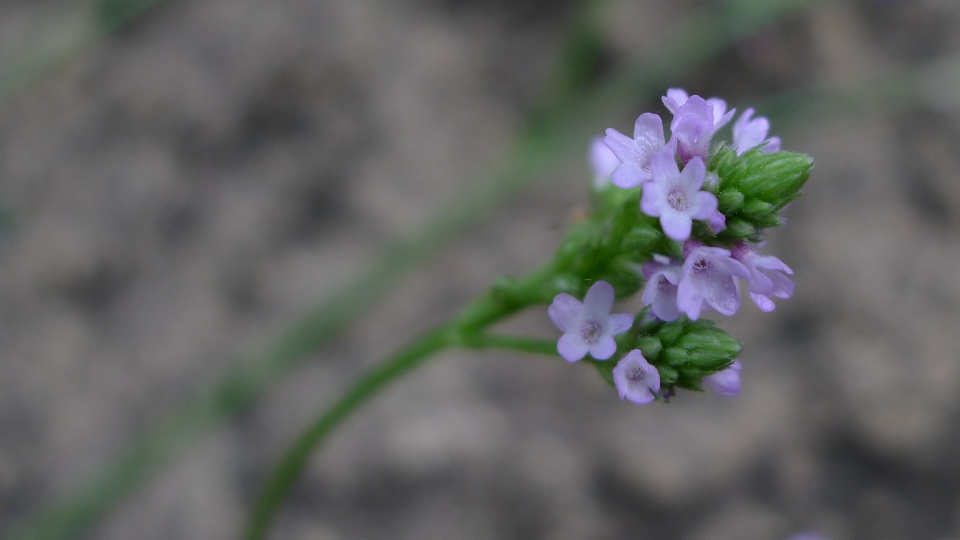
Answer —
766 276
675 196
694 123
707 276
635 153
588 326
636 380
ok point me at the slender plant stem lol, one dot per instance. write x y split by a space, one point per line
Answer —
512 343
295 459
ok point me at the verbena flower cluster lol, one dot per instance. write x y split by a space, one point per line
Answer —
703 207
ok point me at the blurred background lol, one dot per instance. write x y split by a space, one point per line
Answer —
182 181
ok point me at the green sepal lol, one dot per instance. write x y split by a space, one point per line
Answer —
668 375
650 347
753 188
729 201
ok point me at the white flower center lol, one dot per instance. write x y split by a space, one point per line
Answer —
591 331
678 199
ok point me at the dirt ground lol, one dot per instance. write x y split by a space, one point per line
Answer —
187 187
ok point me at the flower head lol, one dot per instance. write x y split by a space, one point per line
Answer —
695 120
726 382
588 326
766 277
675 196
707 277
661 290
749 133
636 380
602 162
676 97
635 153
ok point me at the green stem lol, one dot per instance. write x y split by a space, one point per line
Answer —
464 329
297 456
513 343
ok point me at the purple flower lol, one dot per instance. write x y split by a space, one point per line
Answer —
661 290
695 120
636 380
766 277
726 382
588 326
749 133
602 162
635 153
708 276
676 97
675 197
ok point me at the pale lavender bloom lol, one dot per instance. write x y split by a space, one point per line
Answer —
676 97
726 382
588 326
636 380
602 162
693 127
766 276
717 222
749 133
635 153
660 293
808 536
708 276
675 196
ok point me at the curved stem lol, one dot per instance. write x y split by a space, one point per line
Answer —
282 478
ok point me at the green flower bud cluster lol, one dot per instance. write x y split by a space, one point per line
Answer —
753 188
682 351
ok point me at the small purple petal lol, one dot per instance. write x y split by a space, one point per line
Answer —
604 348
572 347
763 302
694 174
676 225
773 145
704 206
619 323
628 176
566 312
602 161
599 299
749 133
674 99
726 382
648 133
618 143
